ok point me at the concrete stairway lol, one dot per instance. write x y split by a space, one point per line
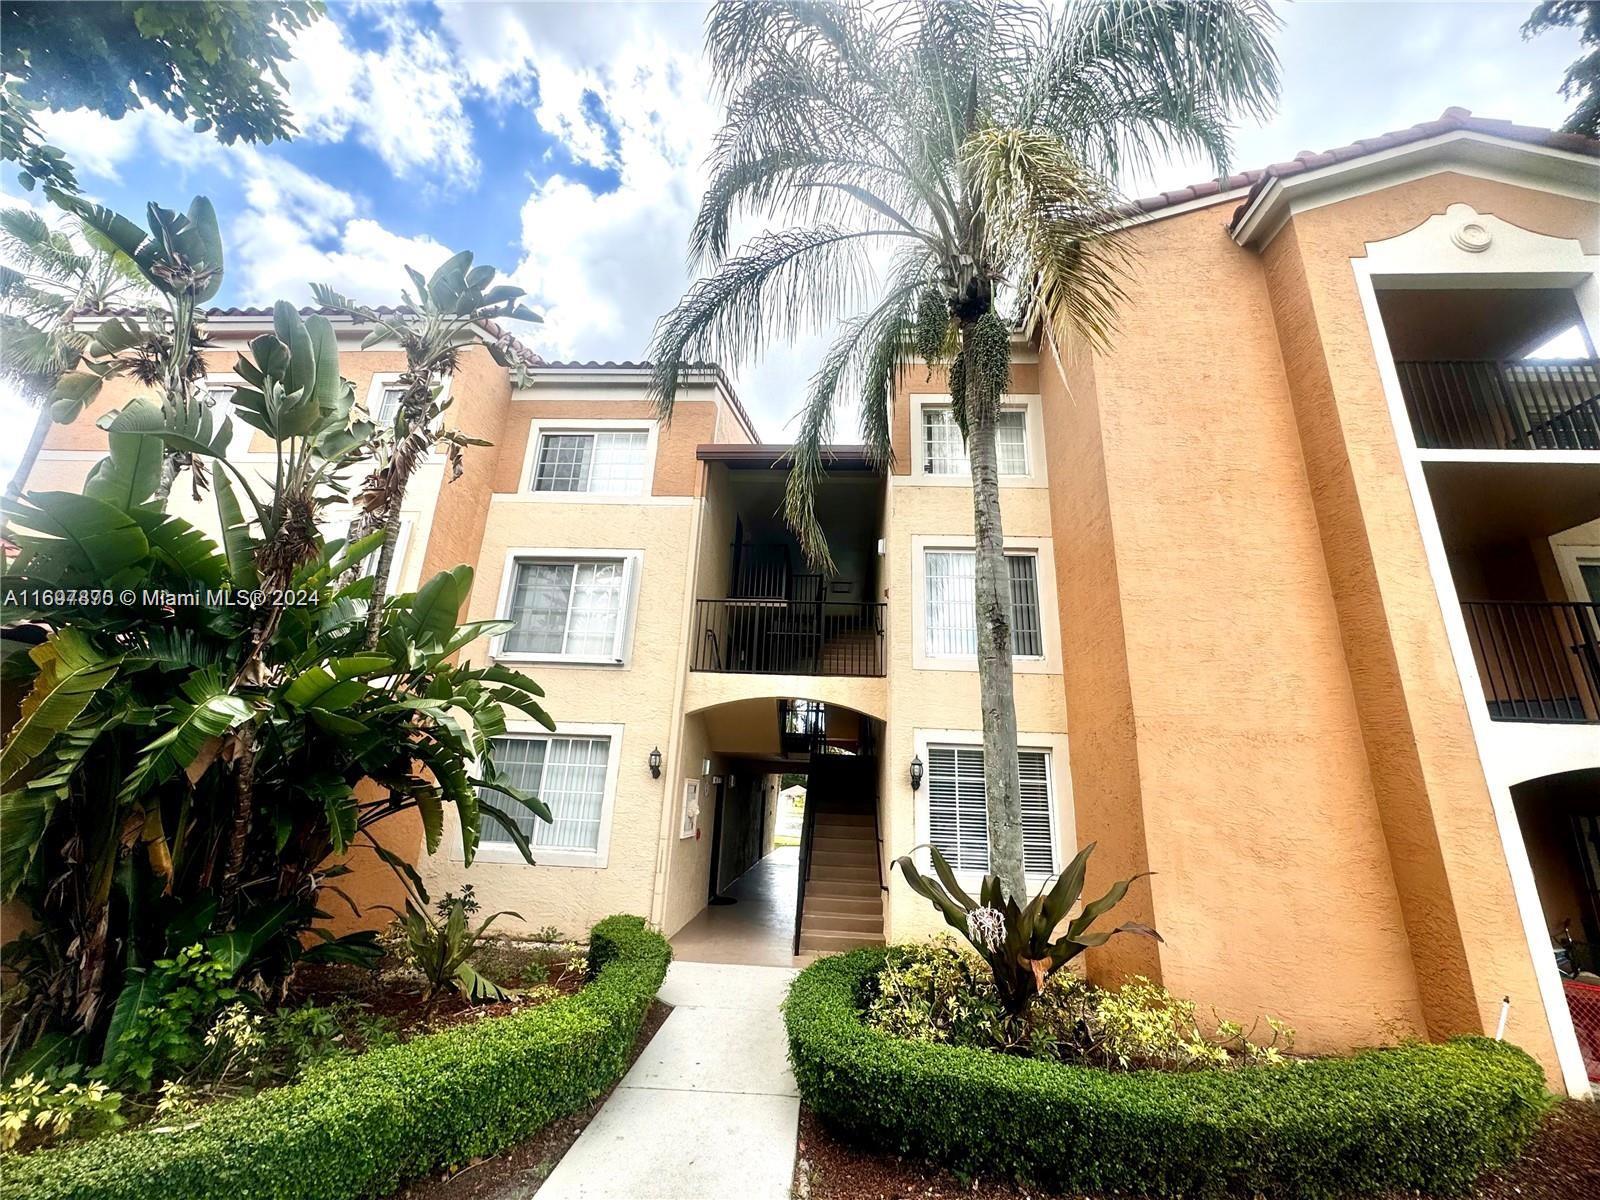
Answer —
843 905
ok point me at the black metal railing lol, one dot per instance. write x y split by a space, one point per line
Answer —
807 821
788 637
1515 405
1539 661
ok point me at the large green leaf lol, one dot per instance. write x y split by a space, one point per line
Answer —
437 605
24 815
335 683
237 543
98 536
132 472
200 241
184 549
141 989
208 710
189 423
71 672
503 819
257 927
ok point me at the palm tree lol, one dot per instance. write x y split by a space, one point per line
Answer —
977 141
54 273
431 327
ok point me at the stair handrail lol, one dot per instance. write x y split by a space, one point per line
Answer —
807 818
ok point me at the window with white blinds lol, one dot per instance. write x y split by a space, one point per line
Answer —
567 773
958 818
568 608
945 453
610 463
949 604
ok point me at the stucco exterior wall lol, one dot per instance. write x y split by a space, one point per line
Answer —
1454 886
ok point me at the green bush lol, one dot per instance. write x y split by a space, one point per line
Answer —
359 1126
1424 1117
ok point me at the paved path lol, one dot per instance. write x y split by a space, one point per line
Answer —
709 1111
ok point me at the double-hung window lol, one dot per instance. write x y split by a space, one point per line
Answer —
958 816
568 774
944 451
568 608
388 405
949 605
602 462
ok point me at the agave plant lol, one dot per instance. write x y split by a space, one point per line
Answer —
431 327
1021 943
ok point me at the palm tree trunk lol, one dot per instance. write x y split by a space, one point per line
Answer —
30 454
380 584
993 596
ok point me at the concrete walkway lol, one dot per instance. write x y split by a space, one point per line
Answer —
709 1111
758 928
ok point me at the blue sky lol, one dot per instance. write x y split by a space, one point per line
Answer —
563 143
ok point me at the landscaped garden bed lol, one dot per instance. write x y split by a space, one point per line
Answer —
360 1125
1415 1118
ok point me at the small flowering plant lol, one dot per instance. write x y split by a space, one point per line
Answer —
1019 942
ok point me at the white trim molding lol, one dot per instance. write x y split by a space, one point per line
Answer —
1043 550
1033 442
1062 820
506 852
633 567
1462 248
539 427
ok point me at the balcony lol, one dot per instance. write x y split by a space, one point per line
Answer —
782 636
1539 660
1518 404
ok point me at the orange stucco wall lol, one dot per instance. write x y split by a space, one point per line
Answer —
1263 705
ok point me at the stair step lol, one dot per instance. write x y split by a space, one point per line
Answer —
841 844
844 874
829 816
849 906
844 858
835 943
851 889
842 923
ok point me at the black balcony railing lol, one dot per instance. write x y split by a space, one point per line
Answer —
1540 661
788 637
1521 405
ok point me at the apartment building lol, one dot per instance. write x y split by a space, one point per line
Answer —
1306 597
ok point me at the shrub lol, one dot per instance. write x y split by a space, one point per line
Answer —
1421 1117
359 1126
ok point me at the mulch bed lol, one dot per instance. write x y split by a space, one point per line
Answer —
1561 1163
519 1171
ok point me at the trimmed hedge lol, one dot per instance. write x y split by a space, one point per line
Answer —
361 1126
1424 1117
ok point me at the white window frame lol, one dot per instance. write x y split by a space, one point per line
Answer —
1570 557
239 440
1043 552
1033 436
622 655
539 427
382 380
1058 781
507 852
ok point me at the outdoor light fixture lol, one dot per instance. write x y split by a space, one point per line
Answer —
916 772
705 766
655 763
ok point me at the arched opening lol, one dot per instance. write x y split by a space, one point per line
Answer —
781 858
1559 816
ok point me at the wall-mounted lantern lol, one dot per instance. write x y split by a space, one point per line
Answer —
655 763
705 766
916 772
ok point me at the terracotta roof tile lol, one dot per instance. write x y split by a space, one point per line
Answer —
1450 120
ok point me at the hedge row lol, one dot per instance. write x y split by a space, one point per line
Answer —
1424 1117
361 1126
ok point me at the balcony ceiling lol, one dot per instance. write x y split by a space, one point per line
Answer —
1484 504
1467 323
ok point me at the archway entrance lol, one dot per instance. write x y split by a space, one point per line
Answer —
1560 820
790 863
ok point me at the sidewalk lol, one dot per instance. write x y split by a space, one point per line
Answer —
709 1111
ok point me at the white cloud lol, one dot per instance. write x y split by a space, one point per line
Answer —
403 102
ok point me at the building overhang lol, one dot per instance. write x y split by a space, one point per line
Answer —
776 457
1469 151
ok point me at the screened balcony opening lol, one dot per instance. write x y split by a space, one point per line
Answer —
1523 542
1498 369
761 607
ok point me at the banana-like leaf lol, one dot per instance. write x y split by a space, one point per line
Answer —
471 819
141 989
402 868
431 809
337 722
237 543
503 819
199 240
433 613
359 949
183 548
130 474
208 710
479 989
189 423
72 394
24 815
335 683
72 671
326 383
256 928
342 816
96 536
